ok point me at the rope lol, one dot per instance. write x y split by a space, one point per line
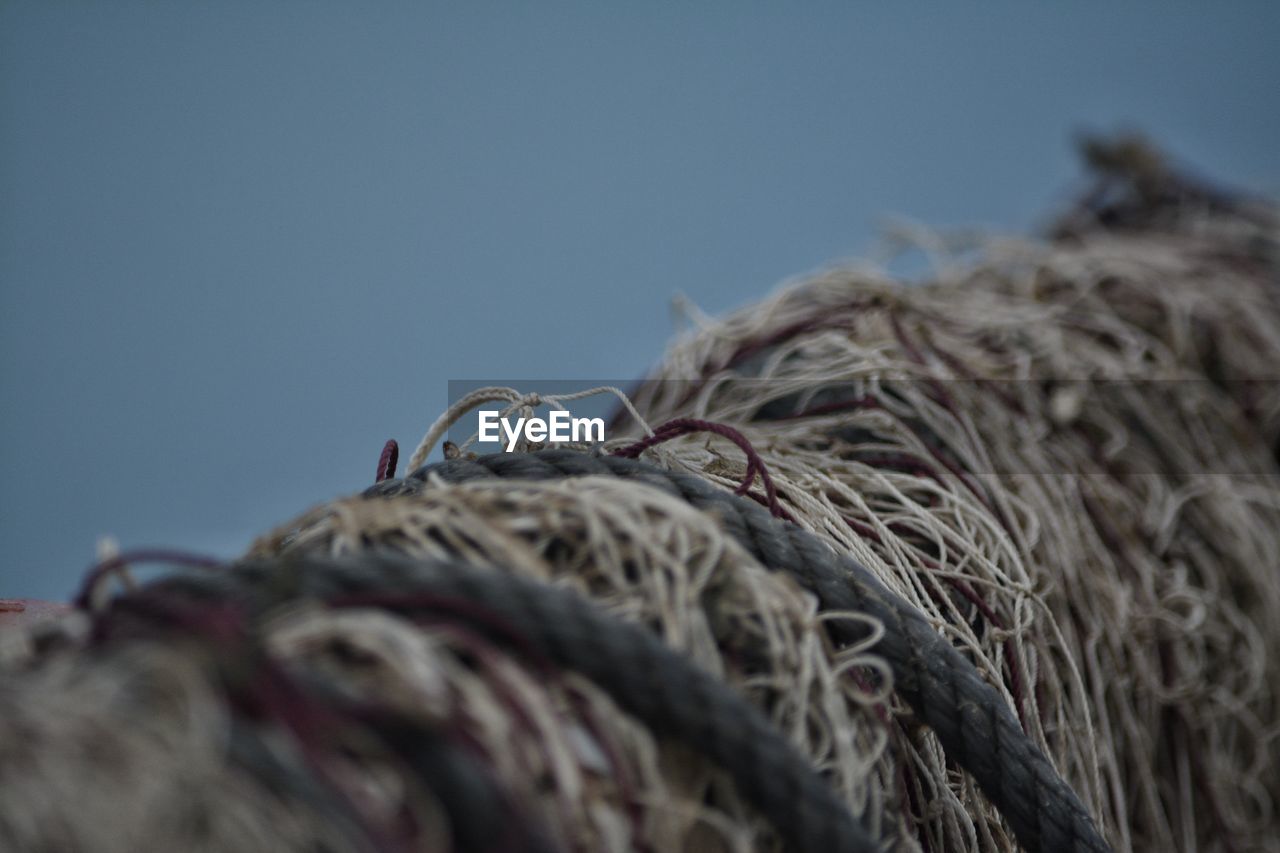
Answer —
976 728
648 680
481 815
387 461
91 592
683 426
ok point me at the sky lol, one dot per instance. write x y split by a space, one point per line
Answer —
243 244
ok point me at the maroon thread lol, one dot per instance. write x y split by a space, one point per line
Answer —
837 318
260 689
945 400
1008 647
683 426
117 563
853 405
422 607
387 461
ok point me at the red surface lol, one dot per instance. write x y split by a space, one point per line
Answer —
23 611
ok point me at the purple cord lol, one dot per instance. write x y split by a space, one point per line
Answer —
387 461
684 426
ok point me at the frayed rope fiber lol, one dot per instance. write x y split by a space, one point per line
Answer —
646 679
970 719
985 563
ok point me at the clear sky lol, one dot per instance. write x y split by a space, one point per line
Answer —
243 243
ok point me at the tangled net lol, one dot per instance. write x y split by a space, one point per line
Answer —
1038 492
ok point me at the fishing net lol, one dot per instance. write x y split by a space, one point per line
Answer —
1001 574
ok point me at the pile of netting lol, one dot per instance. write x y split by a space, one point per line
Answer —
988 562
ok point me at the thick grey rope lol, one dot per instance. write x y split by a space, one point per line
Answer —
974 725
651 682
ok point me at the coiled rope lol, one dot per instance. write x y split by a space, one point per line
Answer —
975 727
648 680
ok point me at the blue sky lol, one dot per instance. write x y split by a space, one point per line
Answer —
242 244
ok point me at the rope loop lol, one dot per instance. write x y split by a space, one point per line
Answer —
684 426
91 597
387 461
